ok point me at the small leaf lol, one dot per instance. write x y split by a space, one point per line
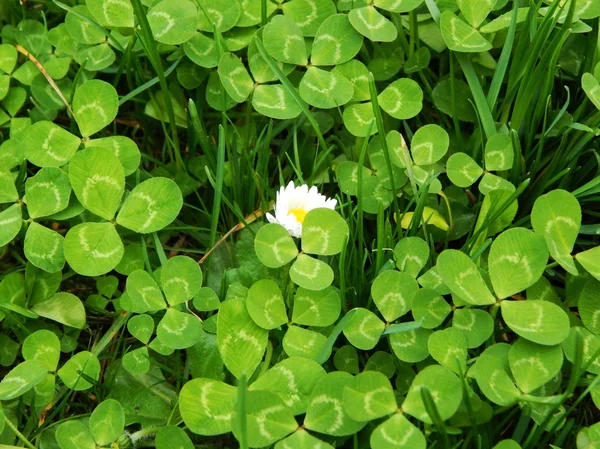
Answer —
402 99
172 437
309 14
267 419
494 382
324 232
274 246
411 346
590 260
557 216
265 304
173 22
589 305
11 220
206 300
325 90
461 37
463 170
347 176
300 342
591 87
64 308
47 192
358 74
8 191
429 144
301 439
112 13
95 106
179 330
273 100
430 308
534 365
393 293
445 390
93 249
336 41
346 359
21 379
81 30
48 145
180 279
241 342
364 329
222 15
144 292
372 24
8 58
141 327
411 254
74 435
151 205
476 11
284 41
449 348
311 273
499 153
83 362
316 308
516 261
43 346
476 324
216 400
107 422
43 247
202 50
293 379
462 277
325 412
122 147
369 396
358 119
590 344
98 180
235 77
397 433
538 321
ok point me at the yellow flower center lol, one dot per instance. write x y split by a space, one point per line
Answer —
300 214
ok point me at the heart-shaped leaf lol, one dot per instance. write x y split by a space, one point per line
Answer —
151 206
462 277
274 246
300 342
309 14
43 247
265 304
364 329
95 106
460 36
538 321
47 192
324 232
43 346
445 390
591 87
557 216
324 89
449 348
235 77
316 308
11 220
516 261
462 170
397 433
534 365
477 325
311 273
411 346
284 41
98 180
222 15
336 41
107 422
141 327
112 13
48 145
82 364
241 342
393 293
174 22
430 308
403 99
179 330
369 396
216 400
180 279
273 100
499 153
325 412
93 249
64 308
411 255
372 24
144 292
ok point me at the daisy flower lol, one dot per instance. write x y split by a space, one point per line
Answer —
293 203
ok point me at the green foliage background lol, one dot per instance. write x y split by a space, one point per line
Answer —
450 301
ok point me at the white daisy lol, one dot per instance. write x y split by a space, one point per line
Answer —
293 203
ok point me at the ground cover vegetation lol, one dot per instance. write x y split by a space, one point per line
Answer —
449 296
